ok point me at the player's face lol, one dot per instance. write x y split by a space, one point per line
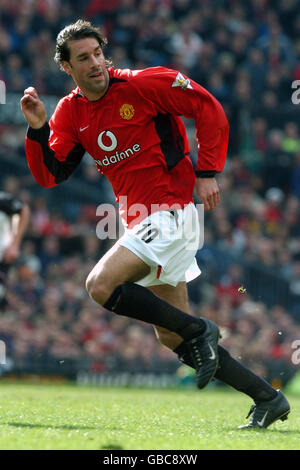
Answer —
87 67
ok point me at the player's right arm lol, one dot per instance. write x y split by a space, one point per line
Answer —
52 149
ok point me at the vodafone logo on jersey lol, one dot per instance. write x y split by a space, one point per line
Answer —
109 136
108 142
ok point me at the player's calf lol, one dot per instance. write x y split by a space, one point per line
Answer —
201 335
167 338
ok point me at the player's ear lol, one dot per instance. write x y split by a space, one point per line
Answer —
67 67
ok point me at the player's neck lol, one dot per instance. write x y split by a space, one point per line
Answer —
92 96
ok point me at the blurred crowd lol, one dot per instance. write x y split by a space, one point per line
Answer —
247 54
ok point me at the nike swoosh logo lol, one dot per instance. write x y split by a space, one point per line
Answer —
213 355
261 423
83 128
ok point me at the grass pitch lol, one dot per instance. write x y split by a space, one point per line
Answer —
70 417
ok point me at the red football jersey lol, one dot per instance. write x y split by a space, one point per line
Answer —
136 137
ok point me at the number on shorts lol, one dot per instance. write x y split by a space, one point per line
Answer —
150 234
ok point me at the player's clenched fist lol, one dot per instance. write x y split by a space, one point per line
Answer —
208 191
33 108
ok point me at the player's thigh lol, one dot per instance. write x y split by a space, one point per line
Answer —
178 297
117 266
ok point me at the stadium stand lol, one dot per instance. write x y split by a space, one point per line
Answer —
247 54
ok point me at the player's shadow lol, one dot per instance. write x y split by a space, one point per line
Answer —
282 431
263 430
47 426
111 446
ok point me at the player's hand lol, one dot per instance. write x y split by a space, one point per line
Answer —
33 108
208 191
11 253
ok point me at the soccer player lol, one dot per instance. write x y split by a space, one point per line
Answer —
128 121
14 219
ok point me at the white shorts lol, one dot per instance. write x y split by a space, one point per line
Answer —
167 241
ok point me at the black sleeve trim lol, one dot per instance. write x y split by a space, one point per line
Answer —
61 170
39 134
205 174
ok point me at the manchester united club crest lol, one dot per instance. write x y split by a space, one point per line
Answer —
127 111
184 83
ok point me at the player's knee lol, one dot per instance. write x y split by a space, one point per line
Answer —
98 290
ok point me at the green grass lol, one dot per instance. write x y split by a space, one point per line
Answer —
70 417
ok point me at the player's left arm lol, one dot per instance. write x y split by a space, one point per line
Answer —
208 191
172 92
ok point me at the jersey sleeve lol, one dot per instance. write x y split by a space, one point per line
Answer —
9 204
53 152
169 91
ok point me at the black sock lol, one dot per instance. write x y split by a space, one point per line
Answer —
134 301
234 374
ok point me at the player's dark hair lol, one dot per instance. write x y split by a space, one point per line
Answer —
80 30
